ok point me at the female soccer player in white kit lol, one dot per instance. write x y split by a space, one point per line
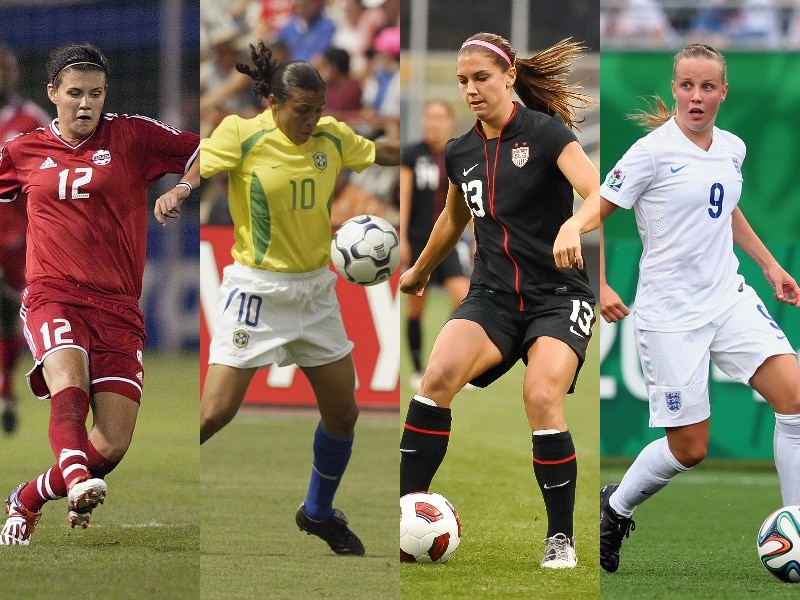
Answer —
683 181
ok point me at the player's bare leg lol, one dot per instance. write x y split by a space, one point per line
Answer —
778 381
334 387
552 365
462 351
223 393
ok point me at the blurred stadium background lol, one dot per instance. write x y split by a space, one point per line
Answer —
759 40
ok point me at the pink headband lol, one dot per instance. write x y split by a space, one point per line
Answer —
490 46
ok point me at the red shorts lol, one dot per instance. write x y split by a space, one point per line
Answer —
58 314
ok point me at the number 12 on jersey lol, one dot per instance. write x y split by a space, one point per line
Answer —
83 175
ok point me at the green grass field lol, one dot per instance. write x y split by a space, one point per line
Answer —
488 476
143 542
255 474
696 538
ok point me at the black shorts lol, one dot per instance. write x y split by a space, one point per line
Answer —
565 318
451 266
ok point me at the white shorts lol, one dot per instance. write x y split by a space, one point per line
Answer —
676 364
266 317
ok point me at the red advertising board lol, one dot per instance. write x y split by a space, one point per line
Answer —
371 316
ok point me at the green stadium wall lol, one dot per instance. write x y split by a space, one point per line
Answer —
761 108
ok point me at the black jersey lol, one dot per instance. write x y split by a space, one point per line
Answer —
430 188
519 199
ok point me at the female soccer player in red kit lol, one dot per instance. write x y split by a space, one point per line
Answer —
86 178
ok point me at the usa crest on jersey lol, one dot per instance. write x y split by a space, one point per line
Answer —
520 155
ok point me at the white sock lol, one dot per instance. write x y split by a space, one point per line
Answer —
652 470
424 400
786 445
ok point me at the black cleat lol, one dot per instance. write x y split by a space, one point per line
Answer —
612 529
334 531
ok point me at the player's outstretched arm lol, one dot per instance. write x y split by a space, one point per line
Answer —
168 205
387 153
783 285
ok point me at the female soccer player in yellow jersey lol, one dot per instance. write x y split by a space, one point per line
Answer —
276 302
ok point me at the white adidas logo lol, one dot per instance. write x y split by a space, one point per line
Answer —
49 163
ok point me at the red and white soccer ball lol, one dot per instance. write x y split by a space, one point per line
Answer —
430 529
366 250
778 544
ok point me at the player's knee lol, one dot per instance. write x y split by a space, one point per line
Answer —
214 418
690 454
440 381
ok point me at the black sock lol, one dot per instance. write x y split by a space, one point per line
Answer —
423 446
414 334
556 470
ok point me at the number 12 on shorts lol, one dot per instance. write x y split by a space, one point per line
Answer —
581 317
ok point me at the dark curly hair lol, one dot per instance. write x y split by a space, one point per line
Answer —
279 80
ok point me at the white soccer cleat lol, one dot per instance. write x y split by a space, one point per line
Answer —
20 523
559 553
83 498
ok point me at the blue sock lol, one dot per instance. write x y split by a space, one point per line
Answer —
331 455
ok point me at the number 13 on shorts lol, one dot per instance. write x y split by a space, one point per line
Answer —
581 316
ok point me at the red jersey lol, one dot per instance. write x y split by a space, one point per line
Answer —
17 116
87 204
20 116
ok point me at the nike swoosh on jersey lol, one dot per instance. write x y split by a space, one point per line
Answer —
676 169
408 451
466 171
550 487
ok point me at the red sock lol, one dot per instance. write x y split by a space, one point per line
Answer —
68 438
99 465
50 485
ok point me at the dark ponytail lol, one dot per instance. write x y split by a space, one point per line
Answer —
279 80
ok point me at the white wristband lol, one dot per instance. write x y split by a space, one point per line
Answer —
185 183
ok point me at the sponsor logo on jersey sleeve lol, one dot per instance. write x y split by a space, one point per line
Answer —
520 154
736 165
616 178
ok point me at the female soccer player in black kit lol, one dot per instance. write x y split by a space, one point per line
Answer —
513 173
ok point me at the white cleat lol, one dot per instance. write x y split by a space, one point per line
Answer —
20 523
559 553
83 498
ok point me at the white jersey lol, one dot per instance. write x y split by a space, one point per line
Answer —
683 198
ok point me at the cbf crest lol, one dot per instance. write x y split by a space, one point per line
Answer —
320 160
240 338
520 154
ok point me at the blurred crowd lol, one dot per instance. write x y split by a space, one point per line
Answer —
724 24
355 46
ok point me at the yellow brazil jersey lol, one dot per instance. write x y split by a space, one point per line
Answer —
280 193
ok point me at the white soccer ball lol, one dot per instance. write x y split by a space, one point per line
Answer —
430 529
778 544
366 250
